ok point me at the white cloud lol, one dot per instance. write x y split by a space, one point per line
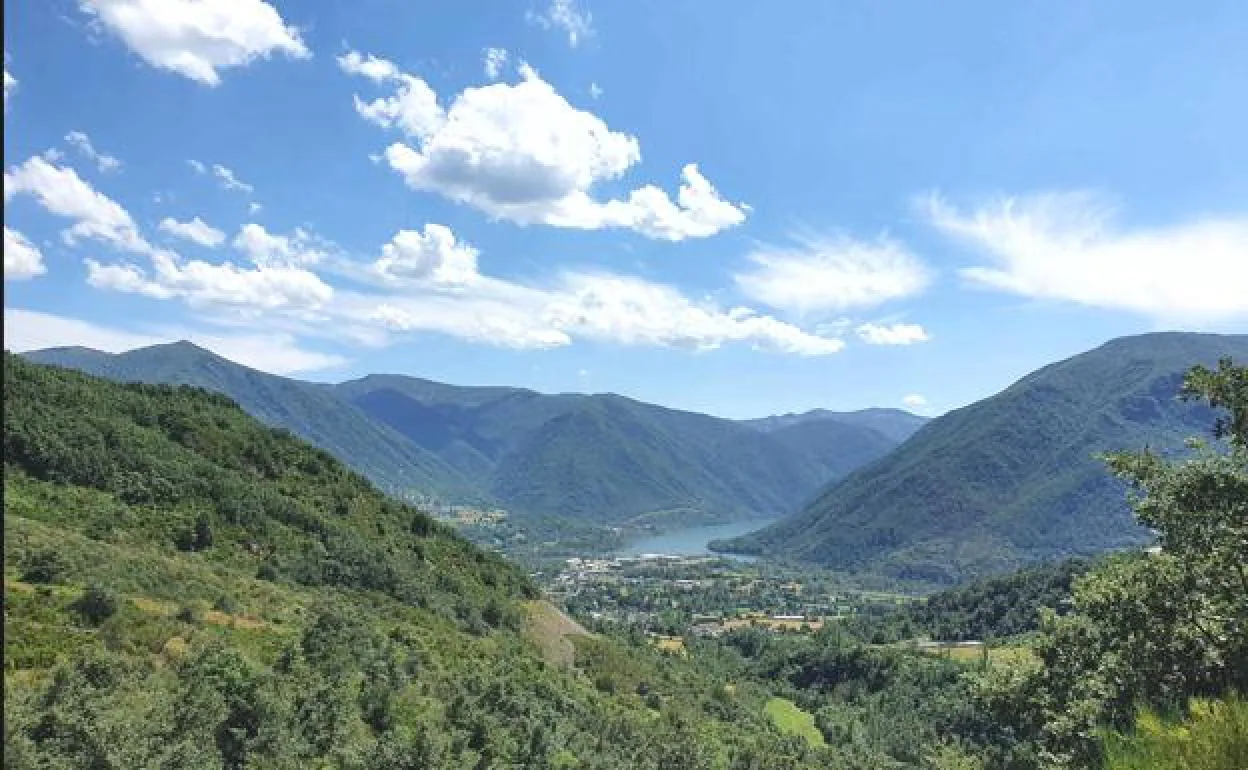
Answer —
914 401
414 106
196 230
632 311
893 334
265 249
196 38
228 180
493 61
595 90
22 259
1068 246
280 353
254 208
564 15
587 306
10 85
198 167
225 286
833 273
434 255
522 153
62 192
82 143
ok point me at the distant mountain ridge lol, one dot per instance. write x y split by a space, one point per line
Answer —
1011 479
601 459
896 424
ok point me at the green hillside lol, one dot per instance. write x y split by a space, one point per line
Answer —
187 588
1011 479
308 410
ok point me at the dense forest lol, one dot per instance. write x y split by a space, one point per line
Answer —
185 587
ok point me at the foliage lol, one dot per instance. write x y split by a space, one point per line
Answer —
1214 737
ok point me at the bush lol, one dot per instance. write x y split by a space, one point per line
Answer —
96 605
226 603
44 566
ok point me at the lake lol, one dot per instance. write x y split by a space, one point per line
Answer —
692 541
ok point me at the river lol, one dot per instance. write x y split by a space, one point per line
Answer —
692 541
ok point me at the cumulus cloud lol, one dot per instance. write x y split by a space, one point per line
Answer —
22 259
277 353
433 255
197 38
914 401
520 152
1069 246
82 143
564 16
62 192
892 334
197 166
196 231
493 61
250 291
595 90
832 274
299 249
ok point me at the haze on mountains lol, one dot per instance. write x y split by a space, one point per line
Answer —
598 459
1012 479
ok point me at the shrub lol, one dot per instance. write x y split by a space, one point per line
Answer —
96 605
44 566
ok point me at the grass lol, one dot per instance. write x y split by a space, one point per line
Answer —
793 720
1214 738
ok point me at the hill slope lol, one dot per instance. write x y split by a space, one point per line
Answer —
185 587
308 410
1011 479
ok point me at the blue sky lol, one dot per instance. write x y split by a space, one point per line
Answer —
751 210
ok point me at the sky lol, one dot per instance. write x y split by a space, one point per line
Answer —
763 209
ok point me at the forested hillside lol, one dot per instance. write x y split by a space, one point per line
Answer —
1011 479
308 410
185 587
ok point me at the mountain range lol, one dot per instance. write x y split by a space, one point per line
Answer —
601 459
1012 479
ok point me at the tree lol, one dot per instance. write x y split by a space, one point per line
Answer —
1157 629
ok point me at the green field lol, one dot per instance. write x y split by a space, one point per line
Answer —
793 720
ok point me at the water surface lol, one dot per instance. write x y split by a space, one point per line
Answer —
691 541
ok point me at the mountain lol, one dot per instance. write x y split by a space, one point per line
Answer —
1011 479
601 459
896 424
609 459
187 588
308 410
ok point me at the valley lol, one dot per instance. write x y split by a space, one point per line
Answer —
161 544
